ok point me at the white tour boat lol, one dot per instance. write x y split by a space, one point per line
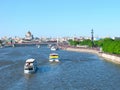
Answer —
53 48
30 66
38 46
54 57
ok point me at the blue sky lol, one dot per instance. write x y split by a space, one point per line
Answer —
52 18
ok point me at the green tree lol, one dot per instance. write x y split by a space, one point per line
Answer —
86 42
0 42
73 42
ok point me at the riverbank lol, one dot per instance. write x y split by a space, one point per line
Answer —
108 57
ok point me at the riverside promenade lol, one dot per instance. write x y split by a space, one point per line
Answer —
108 57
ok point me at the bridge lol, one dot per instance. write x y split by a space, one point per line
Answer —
34 43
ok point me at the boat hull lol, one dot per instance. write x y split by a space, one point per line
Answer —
53 60
53 49
28 71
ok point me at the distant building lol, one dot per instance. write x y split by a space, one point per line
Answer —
117 38
28 36
18 40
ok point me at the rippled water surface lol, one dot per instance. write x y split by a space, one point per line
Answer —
76 71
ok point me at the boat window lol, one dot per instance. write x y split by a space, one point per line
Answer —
54 55
28 68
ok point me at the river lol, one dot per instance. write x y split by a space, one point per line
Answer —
75 71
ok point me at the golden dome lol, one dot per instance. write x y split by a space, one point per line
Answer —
28 34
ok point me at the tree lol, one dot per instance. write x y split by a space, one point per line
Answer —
0 42
86 42
73 42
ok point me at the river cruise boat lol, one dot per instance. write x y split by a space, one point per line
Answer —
54 57
30 66
53 48
38 46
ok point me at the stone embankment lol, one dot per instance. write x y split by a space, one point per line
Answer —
109 57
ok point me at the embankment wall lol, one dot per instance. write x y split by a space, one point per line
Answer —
109 57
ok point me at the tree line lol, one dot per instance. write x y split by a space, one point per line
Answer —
108 45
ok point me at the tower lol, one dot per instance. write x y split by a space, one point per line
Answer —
92 38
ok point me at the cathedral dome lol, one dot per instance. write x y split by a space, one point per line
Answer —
28 34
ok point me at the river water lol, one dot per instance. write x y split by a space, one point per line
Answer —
75 71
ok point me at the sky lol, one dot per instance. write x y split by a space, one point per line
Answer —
58 18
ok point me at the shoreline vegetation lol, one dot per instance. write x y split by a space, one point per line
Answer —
109 57
107 45
107 48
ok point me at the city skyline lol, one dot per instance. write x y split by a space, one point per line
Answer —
52 18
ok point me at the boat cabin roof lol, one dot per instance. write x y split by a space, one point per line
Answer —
53 54
31 60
